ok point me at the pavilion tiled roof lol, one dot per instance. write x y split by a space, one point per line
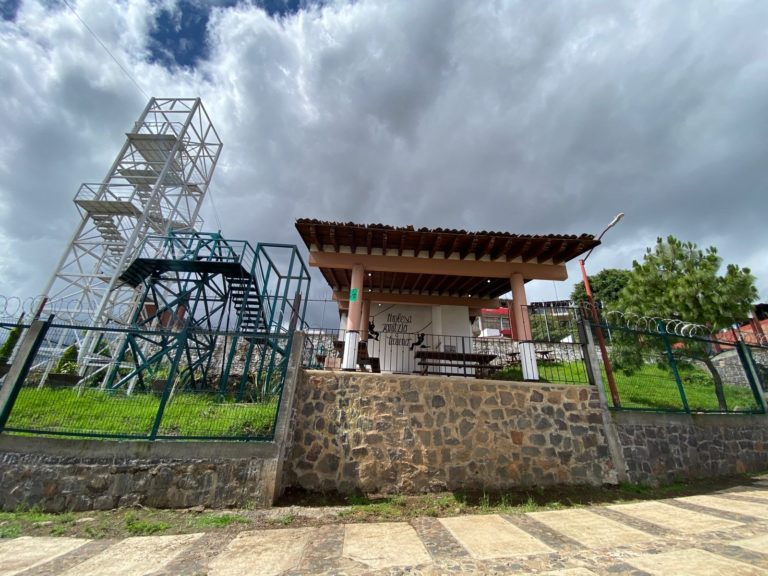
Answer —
437 243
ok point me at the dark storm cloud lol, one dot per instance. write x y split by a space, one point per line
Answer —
516 116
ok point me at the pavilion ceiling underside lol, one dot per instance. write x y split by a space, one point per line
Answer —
340 279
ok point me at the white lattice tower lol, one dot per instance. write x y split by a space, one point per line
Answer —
156 184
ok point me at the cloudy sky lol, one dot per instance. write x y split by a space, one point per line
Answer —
520 116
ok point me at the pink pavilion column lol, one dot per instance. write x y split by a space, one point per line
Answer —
352 336
523 327
364 315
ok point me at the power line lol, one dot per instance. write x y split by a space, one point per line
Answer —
131 78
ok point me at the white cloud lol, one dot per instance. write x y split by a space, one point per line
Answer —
515 116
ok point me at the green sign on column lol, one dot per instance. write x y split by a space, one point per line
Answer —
353 295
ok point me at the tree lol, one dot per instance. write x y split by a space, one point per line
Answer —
677 280
606 286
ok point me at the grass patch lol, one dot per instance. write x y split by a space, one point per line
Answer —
10 531
651 386
555 372
219 520
286 520
141 527
93 411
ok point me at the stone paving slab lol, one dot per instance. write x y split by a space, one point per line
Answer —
135 556
729 505
756 544
692 561
261 553
673 518
639 539
491 536
384 545
569 572
759 494
24 553
589 529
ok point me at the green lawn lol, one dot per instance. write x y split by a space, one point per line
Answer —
94 411
650 386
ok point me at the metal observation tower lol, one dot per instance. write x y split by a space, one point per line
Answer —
154 188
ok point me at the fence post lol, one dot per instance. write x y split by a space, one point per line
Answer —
25 355
588 351
181 342
752 373
596 379
673 365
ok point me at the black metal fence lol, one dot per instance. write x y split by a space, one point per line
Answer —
450 355
155 390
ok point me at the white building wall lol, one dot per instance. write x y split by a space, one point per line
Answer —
400 328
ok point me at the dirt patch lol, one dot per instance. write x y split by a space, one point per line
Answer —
300 509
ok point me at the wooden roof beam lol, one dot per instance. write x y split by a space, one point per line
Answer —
456 239
542 247
313 237
334 241
435 244
553 252
485 248
471 248
504 249
408 265
421 299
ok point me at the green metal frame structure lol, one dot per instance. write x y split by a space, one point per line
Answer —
207 298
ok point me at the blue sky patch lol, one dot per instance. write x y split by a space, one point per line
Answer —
9 8
179 37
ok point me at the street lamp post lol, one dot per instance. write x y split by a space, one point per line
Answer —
596 319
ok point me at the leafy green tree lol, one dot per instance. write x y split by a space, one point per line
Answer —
606 286
677 280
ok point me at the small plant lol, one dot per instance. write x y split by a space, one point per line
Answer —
6 350
485 503
11 531
286 520
530 505
95 533
634 488
58 530
219 520
67 363
139 527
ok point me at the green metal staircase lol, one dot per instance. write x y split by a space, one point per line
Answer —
204 302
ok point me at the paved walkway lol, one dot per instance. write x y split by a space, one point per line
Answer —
723 533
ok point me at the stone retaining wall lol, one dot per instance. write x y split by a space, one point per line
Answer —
662 448
60 475
409 434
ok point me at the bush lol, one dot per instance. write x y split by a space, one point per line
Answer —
6 350
67 364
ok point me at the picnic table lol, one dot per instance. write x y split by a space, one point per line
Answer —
435 362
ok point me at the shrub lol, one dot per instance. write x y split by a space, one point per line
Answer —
6 350
67 364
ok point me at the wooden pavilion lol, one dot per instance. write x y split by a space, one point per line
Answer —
454 272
